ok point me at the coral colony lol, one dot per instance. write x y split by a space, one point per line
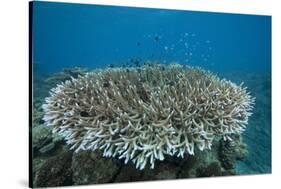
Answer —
144 113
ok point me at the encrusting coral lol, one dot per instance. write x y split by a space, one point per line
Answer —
142 114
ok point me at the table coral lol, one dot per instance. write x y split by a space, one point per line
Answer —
143 114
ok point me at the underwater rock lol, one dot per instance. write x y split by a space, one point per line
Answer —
212 169
189 166
40 91
92 168
230 151
57 138
37 116
128 173
204 163
36 165
55 171
47 148
44 142
241 151
41 135
226 157
162 171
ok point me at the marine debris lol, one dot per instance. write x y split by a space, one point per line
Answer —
143 114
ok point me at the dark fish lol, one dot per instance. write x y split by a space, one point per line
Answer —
111 66
156 38
138 43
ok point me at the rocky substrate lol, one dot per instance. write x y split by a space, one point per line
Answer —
62 167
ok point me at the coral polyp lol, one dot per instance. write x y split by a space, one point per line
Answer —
145 113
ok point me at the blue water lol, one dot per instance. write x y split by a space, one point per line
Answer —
235 46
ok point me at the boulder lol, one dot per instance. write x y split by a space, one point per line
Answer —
55 171
92 168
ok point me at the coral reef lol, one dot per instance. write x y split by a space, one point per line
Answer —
48 147
213 169
66 74
41 136
229 151
45 144
43 141
92 168
144 114
42 85
56 171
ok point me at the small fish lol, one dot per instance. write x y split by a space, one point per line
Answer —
156 38
138 44
111 65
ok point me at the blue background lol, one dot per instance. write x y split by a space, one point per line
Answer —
67 35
